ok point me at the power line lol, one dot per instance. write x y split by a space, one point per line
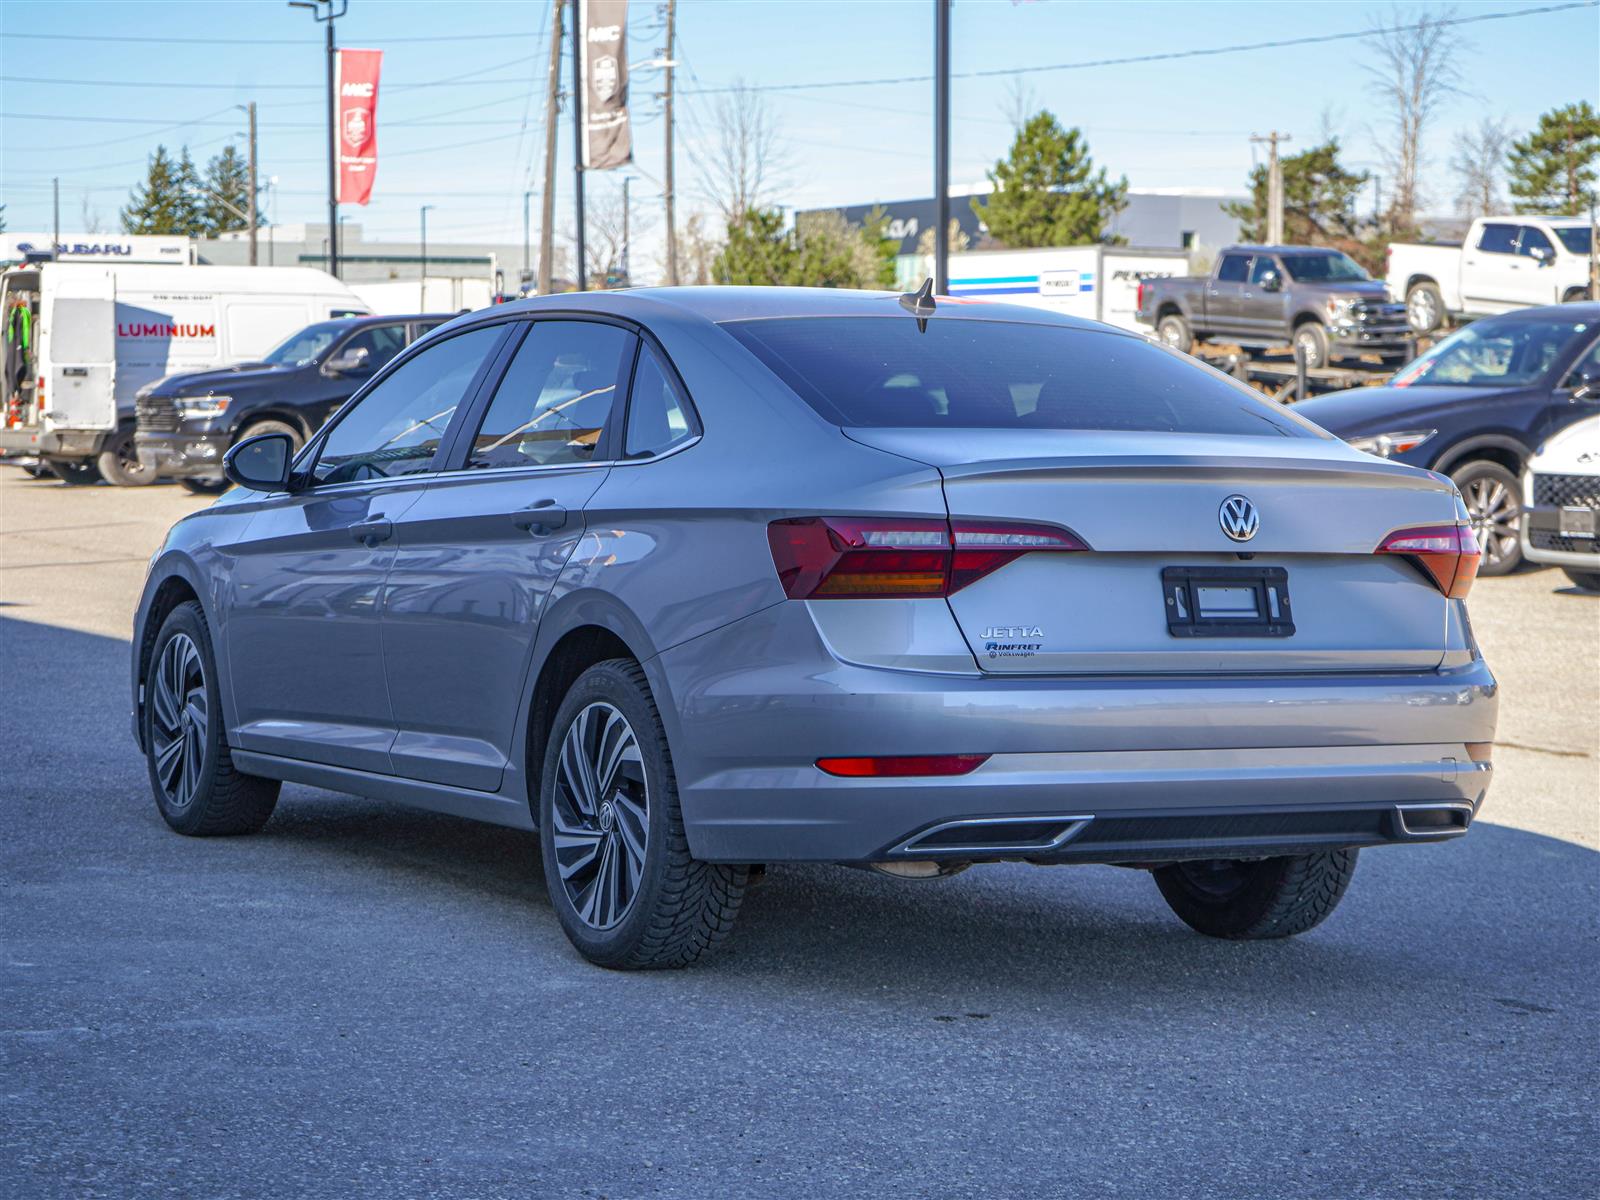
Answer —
465 79
194 41
1129 60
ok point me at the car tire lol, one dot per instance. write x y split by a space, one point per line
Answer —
1425 307
1494 504
627 891
204 487
1589 581
198 790
1575 295
296 438
1257 899
119 462
76 473
1311 339
1173 330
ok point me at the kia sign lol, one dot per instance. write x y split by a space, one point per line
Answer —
607 139
356 86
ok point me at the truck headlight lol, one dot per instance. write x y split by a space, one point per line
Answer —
202 406
1387 445
1338 308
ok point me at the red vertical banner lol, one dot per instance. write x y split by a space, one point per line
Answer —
356 85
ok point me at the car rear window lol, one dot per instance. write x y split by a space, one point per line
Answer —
880 372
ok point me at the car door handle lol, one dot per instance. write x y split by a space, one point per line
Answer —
540 517
374 530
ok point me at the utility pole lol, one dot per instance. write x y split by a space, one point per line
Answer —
55 237
672 224
548 200
324 13
424 306
577 148
250 110
941 146
1274 186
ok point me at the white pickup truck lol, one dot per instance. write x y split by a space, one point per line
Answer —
1505 263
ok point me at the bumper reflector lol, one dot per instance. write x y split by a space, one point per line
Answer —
902 766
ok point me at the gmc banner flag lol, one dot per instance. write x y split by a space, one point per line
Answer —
356 86
607 139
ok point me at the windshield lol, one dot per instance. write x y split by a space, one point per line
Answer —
1576 238
881 372
1328 267
303 347
1497 352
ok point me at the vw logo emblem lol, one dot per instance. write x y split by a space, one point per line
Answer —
1239 518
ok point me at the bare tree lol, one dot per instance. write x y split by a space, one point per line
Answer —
1479 165
89 217
697 250
609 230
1020 103
746 161
1414 65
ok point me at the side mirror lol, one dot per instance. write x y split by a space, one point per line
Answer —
352 362
1588 383
1271 282
260 463
1542 255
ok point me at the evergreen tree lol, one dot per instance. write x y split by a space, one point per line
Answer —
875 229
227 177
1047 192
1318 198
164 202
758 251
1552 170
824 251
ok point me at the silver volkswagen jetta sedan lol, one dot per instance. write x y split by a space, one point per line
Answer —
695 580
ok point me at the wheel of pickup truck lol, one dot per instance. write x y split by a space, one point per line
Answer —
119 461
1174 331
1424 307
1575 295
204 487
1248 900
283 427
1311 339
77 473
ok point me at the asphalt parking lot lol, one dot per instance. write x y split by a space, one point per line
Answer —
370 1001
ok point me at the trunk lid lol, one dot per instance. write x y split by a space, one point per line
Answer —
1146 502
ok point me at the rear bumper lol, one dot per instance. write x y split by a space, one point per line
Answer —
182 455
1155 769
52 443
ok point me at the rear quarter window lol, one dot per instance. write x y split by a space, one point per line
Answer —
880 372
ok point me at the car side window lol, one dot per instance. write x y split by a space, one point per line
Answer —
1531 239
376 345
1587 367
1233 269
557 394
395 429
658 414
1498 239
1262 266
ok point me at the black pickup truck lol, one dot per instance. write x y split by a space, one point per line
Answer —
188 422
1310 297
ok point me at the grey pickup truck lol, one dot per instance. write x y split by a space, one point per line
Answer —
1313 298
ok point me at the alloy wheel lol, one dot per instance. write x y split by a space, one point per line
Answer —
1419 307
180 714
601 815
1493 511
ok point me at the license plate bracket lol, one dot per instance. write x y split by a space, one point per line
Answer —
1227 602
1579 521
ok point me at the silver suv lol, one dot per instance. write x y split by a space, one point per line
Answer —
692 581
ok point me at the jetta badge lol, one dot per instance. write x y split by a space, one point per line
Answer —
1239 518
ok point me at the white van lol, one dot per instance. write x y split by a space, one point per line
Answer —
96 333
1100 283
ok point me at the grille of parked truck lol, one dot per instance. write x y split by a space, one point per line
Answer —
1505 263
1319 300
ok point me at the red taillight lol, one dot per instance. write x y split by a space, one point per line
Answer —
1448 553
1139 303
901 766
830 558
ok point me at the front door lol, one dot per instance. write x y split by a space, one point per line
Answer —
303 633
1260 306
479 555
1491 270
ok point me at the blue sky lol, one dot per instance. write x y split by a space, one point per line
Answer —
471 146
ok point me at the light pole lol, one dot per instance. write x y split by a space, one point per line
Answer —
627 278
425 209
941 145
324 13
250 110
578 84
526 267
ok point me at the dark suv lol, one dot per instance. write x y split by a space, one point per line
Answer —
188 422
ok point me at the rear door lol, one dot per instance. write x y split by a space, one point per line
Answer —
1224 293
78 337
479 554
